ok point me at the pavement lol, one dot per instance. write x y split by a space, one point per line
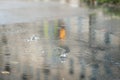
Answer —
34 47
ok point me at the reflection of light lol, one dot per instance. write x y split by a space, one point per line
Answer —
62 33
62 61
63 55
5 72
33 38
14 62
43 52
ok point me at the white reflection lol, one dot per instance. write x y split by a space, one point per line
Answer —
5 72
33 38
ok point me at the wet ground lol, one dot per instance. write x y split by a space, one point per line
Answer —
30 48
19 12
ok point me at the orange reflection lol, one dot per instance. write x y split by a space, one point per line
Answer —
62 33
